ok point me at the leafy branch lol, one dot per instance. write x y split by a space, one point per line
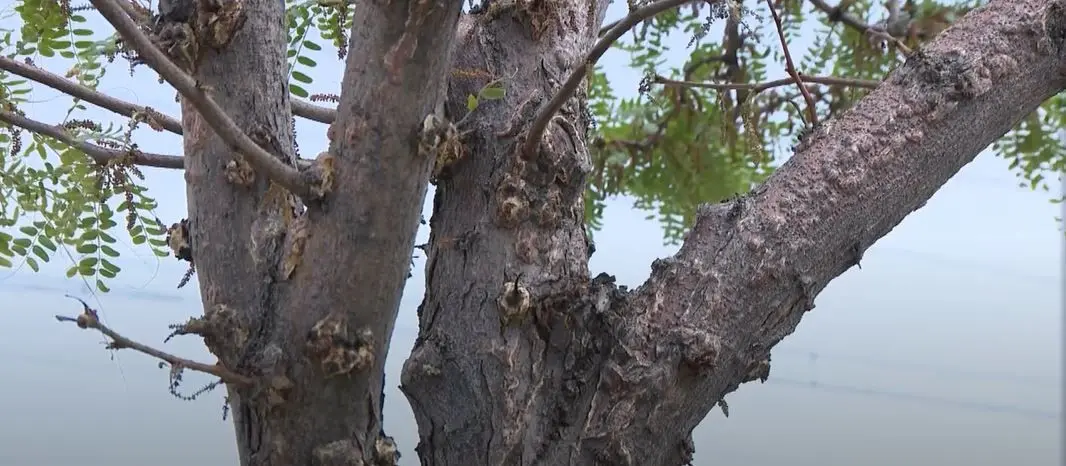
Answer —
101 155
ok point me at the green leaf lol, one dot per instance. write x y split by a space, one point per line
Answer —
40 252
471 103
492 93
298 91
301 77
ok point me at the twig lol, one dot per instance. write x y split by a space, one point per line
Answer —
812 115
78 91
759 87
90 320
275 169
540 122
835 13
99 154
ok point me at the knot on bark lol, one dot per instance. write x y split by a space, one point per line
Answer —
514 303
220 328
338 350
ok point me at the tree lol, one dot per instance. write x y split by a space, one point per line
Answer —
522 357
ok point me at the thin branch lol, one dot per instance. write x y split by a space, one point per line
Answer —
78 91
272 167
836 13
540 122
99 154
759 87
90 320
812 111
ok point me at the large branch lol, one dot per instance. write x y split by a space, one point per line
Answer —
274 168
100 154
749 270
76 90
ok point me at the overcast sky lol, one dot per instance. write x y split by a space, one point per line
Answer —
943 348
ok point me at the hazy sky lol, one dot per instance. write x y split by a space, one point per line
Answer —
943 349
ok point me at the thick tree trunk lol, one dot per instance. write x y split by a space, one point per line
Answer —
521 358
305 300
601 375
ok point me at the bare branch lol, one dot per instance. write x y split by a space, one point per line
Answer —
313 112
836 13
90 320
759 87
99 154
812 114
540 123
274 168
99 99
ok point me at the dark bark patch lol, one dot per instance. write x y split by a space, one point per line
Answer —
1055 26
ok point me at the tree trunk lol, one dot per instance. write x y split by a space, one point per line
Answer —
603 375
521 357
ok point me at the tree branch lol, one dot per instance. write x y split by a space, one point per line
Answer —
79 91
790 67
99 154
274 168
90 320
544 116
836 13
759 87
313 112
751 268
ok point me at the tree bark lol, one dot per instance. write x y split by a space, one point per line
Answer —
305 300
521 357
603 375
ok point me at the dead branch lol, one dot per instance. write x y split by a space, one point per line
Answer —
540 122
790 67
99 154
274 168
89 319
73 89
759 87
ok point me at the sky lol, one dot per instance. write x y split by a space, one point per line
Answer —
944 347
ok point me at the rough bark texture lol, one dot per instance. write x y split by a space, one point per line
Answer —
522 358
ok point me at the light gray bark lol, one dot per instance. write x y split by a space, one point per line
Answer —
594 374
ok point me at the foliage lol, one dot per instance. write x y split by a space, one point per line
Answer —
670 147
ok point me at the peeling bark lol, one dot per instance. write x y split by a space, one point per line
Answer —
521 357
